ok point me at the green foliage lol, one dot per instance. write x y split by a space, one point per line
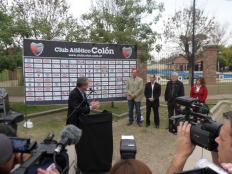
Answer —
74 32
6 32
46 18
225 55
11 32
123 21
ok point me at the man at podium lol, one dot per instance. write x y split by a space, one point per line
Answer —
78 104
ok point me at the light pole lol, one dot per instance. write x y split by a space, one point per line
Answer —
193 43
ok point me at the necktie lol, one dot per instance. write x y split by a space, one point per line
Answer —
83 94
173 89
152 90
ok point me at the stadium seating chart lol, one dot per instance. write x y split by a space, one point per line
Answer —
51 69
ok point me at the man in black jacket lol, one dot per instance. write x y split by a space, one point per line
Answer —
174 89
78 104
152 93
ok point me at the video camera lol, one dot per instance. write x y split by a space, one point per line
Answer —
204 129
47 152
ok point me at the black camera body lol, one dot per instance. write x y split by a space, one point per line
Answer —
204 129
128 147
42 155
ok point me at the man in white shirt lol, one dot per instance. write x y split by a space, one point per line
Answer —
152 93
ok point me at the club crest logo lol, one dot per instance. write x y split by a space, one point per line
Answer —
37 48
127 52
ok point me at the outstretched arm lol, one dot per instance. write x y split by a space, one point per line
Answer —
184 148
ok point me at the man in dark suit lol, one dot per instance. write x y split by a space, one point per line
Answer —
152 93
78 104
174 89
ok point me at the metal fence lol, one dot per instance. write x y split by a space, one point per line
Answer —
10 78
163 67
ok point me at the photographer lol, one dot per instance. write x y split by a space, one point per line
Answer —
184 147
9 160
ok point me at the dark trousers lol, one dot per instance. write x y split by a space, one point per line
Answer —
131 104
155 106
173 109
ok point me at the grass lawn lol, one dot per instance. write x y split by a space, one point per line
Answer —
20 107
55 122
118 107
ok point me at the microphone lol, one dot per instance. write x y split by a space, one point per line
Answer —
92 90
69 135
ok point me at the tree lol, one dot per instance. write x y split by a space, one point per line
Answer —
221 34
10 31
123 21
39 19
225 54
47 18
178 31
74 32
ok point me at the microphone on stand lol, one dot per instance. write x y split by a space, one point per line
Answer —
92 90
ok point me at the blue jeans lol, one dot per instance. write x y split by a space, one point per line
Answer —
131 104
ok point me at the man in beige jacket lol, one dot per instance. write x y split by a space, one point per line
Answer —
134 96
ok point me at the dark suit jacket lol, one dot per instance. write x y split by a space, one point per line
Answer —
155 93
178 91
75 98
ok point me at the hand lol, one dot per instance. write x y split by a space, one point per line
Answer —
227 167
95 104
41 171
151 99
184 146
133 97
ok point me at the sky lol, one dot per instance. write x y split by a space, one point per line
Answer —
220 9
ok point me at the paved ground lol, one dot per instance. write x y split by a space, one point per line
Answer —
155 147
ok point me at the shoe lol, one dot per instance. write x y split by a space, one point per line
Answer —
140 124
147 125
129 124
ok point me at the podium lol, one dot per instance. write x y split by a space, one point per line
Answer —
95 149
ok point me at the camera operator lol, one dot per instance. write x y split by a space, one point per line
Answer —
184 147
9 160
